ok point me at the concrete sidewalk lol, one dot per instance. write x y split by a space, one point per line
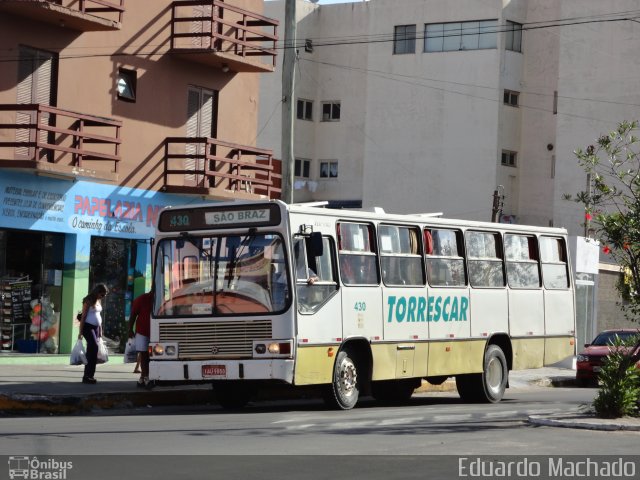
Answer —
55 388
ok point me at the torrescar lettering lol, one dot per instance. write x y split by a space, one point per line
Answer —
427 309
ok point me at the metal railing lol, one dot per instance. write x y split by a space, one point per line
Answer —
216 26
41 133
102 6
197 163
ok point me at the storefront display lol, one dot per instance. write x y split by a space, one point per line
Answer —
65 236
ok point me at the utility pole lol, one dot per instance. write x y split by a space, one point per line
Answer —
288 99
498 199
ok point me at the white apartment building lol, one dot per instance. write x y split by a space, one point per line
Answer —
430 105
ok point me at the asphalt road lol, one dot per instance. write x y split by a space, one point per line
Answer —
432 424
428 434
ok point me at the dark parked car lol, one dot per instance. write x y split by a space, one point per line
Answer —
590 360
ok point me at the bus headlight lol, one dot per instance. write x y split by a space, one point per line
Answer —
164 350
273 348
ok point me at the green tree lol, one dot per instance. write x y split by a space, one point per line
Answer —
612 205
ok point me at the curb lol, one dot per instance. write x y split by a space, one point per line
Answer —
69 404
583 422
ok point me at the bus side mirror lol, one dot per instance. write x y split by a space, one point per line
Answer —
315 244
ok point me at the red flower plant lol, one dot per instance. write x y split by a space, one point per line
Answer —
606 250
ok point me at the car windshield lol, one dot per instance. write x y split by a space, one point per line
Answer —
221 275
609 338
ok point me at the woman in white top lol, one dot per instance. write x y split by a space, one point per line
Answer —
91 329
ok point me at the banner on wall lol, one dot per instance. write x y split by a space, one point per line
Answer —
32 202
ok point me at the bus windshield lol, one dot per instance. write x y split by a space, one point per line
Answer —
221 275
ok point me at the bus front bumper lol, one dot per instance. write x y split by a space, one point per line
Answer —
215 370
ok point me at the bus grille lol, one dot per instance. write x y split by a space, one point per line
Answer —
215 340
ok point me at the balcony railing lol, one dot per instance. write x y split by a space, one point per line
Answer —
82 15
42 137
218 169
216 33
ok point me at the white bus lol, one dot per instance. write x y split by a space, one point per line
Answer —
396 299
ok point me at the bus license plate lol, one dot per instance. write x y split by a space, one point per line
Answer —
214 371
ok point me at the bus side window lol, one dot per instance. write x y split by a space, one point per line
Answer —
445 258
358 259
484 259
553 255
521 253
400 256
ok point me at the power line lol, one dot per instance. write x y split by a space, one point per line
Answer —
369 39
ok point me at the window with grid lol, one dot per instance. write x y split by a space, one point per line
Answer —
357 255
330 111
302 168
521 253
447 37
400 256
511 98
484 259
404 39
509 158
328 169
445 257
513 36
553 255
304 109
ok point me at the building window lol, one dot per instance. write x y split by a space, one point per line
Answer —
513 40
126 85
330 111
302 168
328 169
304 110
404 39
509 158
511 98
446 37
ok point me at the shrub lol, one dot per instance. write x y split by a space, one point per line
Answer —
619 384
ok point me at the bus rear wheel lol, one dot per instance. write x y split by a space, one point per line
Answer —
488 386
345 388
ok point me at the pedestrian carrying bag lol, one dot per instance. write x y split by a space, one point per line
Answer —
130 352
103 354
78 354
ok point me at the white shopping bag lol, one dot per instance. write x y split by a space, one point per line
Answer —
78 354
130 353
103 354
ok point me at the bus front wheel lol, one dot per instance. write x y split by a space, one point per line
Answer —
488 386
345 388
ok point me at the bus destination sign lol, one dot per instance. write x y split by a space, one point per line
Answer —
183 220
237 216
